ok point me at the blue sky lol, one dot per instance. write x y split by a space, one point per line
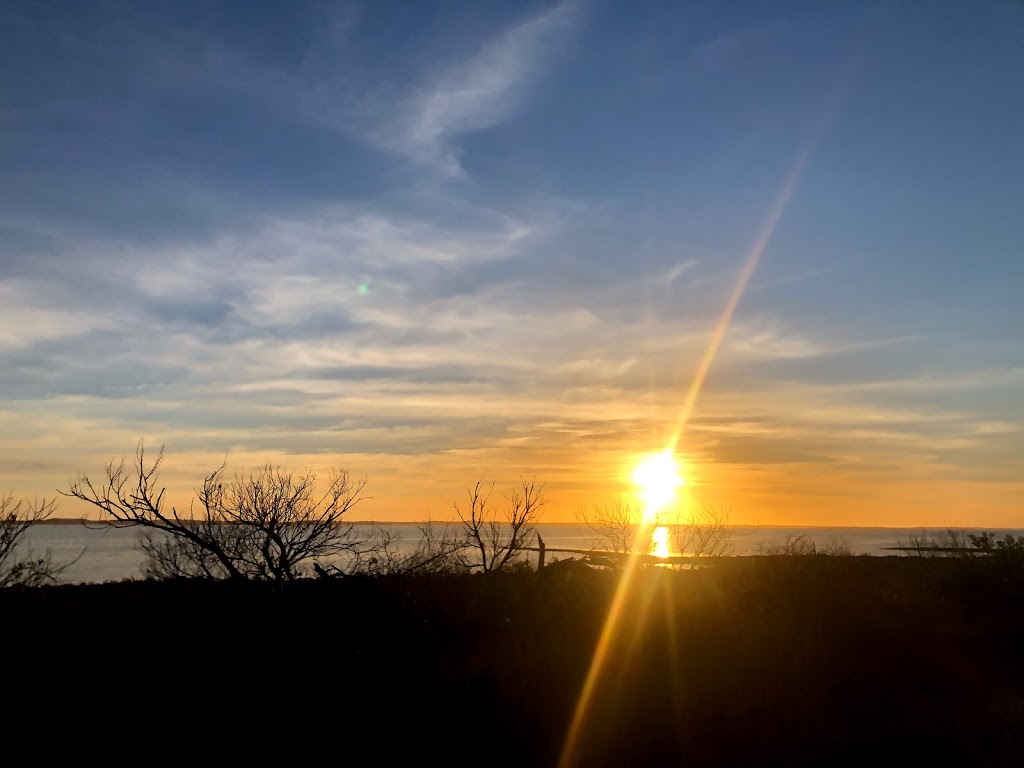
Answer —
440 241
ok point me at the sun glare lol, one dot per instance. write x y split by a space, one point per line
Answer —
658 477
659 542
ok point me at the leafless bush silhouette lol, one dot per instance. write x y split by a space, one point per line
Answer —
268 524
25 569
437 551
836 547
951 542
705 534
616 526
799 544
493 535
794 544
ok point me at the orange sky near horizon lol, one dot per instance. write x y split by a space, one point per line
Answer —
856 492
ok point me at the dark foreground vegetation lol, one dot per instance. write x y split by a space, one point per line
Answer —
761 660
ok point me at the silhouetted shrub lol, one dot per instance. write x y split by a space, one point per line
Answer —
796 545
19 566
494 535
268 524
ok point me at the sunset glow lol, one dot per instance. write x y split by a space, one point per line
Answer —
595 366
658 477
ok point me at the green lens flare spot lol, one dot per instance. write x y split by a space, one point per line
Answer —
363 289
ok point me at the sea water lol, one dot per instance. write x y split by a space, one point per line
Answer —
100 552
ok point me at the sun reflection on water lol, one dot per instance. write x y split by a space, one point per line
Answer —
659 542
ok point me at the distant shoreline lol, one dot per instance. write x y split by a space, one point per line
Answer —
739 526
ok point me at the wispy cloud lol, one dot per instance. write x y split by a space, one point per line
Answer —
720 50
476 93
259 342
759 340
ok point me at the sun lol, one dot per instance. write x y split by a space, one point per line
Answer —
658 478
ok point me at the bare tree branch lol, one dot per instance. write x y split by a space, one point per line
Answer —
615 526
705 534
436 551
493 536
267 524
27 569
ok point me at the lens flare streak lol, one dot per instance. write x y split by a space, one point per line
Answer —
608 631
763 237
604 644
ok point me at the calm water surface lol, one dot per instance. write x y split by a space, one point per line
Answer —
112 554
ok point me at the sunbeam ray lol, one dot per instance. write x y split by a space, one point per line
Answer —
622 593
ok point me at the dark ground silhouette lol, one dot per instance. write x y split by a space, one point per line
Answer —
770 661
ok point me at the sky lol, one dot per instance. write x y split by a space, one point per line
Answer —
438 242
